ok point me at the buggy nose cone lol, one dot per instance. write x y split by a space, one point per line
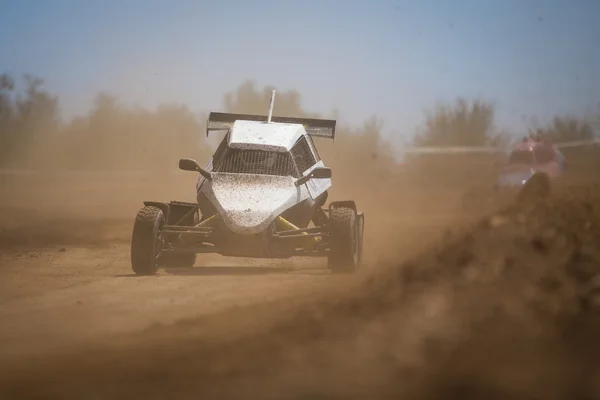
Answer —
248 204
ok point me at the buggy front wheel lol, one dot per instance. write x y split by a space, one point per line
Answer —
345 239
147 241
536 188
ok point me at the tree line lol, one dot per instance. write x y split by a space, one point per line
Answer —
465 123
116 136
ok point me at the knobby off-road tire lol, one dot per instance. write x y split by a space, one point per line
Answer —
179 260
345 238
361 230
146 242
536 188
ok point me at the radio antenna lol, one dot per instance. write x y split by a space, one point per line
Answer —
271 106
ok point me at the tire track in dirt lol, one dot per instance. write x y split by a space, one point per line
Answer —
62 296
79 294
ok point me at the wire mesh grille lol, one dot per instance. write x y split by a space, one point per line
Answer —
303 156
259 162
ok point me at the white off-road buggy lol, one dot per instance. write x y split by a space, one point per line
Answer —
261 195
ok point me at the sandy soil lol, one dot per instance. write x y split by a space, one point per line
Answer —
64 260
445 307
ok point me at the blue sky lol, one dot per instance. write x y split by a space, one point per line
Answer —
532 58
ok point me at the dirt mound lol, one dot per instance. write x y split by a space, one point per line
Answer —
508 309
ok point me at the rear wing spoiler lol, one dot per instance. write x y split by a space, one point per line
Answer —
315 127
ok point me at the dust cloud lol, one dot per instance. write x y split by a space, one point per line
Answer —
456 302
505 308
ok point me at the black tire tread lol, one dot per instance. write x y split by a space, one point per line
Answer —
342 221
536 188
142 241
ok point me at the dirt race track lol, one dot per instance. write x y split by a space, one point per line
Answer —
499 304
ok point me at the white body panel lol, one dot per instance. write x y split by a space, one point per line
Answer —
247 203
265 136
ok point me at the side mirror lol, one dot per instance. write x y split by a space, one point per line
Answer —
317 173
321 173
187 164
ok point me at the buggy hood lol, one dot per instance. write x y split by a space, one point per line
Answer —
249 203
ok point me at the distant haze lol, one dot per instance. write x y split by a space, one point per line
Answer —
530 58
